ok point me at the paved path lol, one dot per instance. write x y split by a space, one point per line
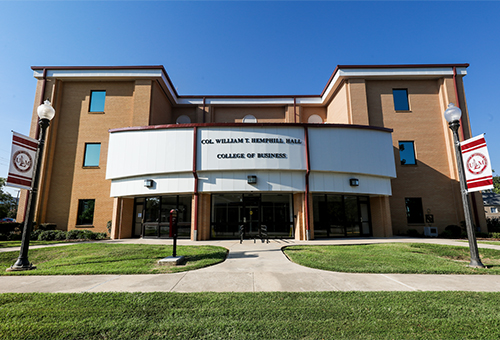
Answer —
256 267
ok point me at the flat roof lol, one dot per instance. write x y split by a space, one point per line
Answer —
340 73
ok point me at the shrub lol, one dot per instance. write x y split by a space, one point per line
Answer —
76 234
495 235
73 234
108 226
15 236
7 227
101 236
47 235
448 234
47 226
88 235
59 235
413 233
454 230
34 234
493 225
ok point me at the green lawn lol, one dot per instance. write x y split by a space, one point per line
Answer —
315 315
6 244
105 258
402 258
497 243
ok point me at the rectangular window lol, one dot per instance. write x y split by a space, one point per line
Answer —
414 210
494 210
92 154
400 99
85 212
97 99
407 153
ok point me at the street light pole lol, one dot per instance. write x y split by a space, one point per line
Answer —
45 112
452 115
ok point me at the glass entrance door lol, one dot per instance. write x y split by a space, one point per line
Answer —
230 211
341 216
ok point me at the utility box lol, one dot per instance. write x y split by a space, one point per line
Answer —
431 231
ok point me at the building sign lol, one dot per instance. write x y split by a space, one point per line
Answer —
477 165
252 148
22 161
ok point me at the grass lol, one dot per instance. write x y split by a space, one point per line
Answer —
405 258
6 244
497 243
312 315
103 258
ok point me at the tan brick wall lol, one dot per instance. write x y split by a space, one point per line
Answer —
74 127
191 112
422 124
338 109
381 216
161 108
298 212
309 111
203 216
236 114
356 92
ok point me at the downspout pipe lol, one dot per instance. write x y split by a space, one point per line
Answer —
294 109
458 100
308 171
195 175
471 197
37 132
204 102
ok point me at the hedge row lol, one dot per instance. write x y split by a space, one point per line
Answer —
13 231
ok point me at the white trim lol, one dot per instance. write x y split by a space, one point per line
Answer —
342 72
150 73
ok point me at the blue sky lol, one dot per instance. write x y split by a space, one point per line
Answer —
236 47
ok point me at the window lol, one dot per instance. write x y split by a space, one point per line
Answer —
315 119
92 153
407 153
414 210
183 120
85 212
494 210
400 99
97 99
249 119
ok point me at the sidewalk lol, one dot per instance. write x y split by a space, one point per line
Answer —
256 267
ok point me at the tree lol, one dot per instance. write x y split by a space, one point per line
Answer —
496 183
8 204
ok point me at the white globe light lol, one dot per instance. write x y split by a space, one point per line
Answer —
46 111
452 113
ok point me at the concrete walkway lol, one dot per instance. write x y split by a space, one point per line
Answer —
256 267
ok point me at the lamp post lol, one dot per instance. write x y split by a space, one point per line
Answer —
45 112
452 115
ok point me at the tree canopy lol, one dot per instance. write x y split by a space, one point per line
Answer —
8 204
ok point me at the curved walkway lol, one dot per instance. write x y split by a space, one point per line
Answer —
256 267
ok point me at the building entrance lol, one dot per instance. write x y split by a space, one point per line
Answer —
341 216
252 211
151 216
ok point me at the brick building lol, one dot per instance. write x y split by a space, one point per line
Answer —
371 155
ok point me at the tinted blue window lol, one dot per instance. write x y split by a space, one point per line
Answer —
407 153
401 100
97 99
92 153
